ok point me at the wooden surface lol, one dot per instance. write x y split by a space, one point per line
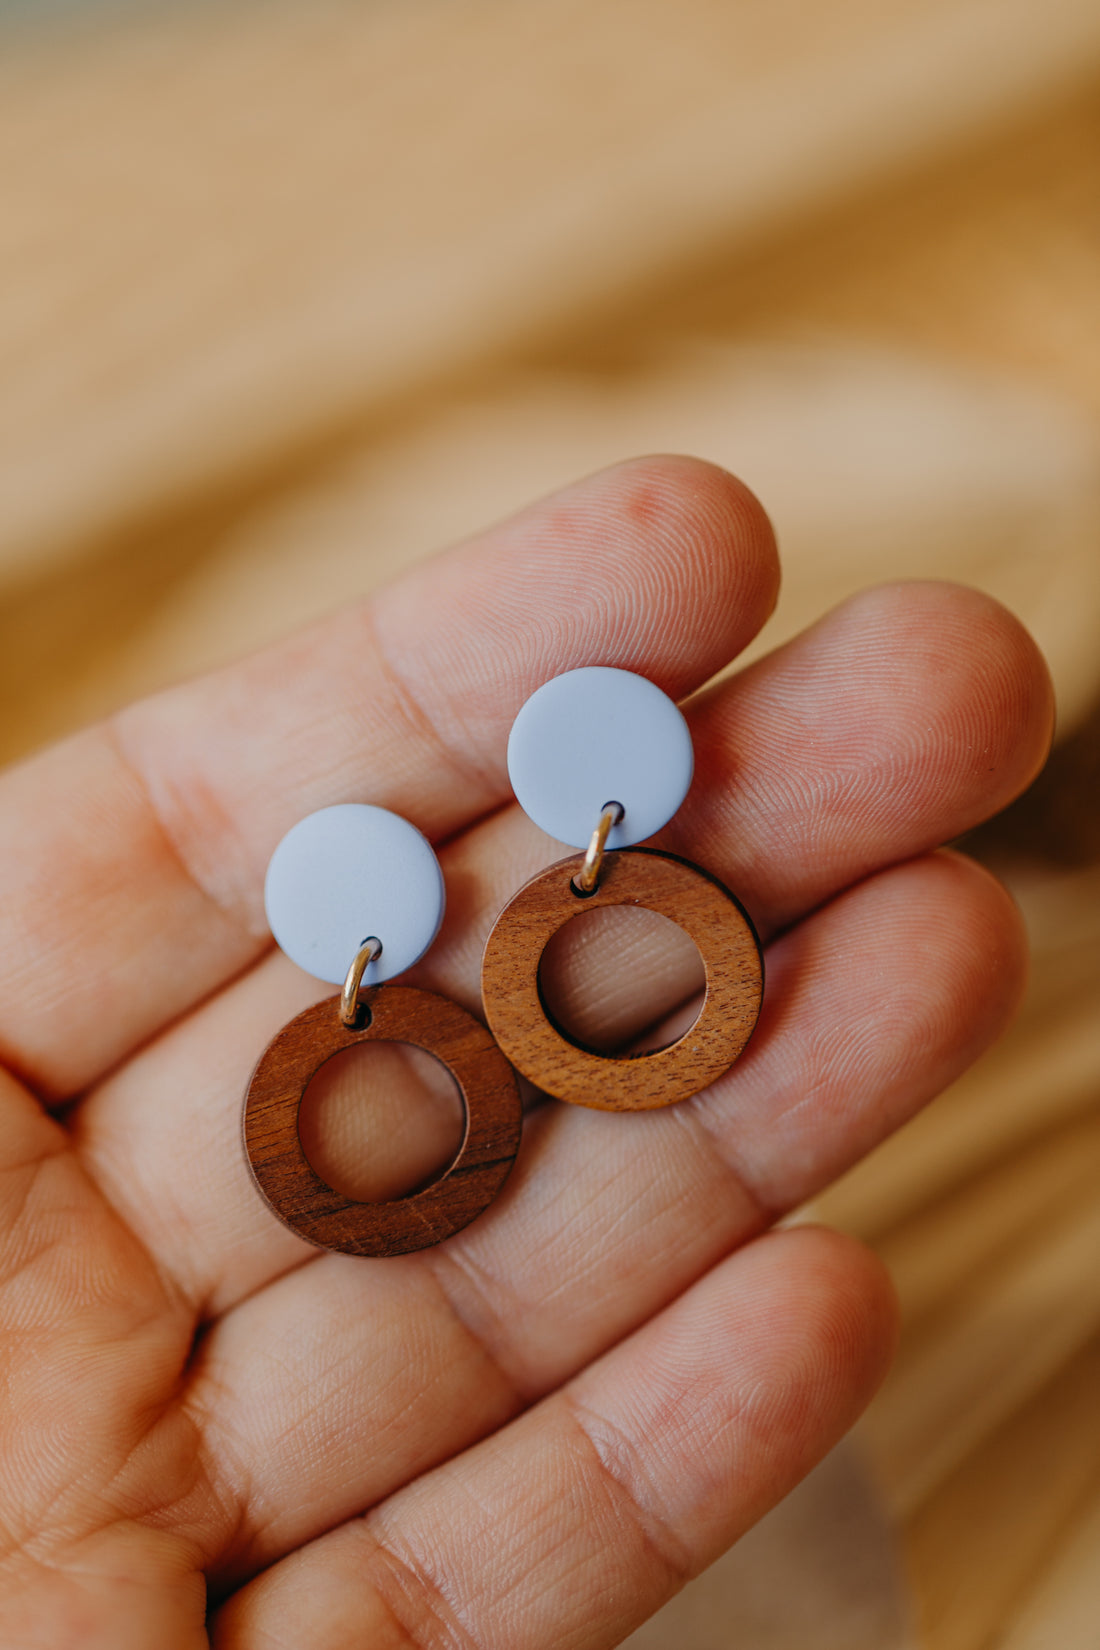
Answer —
643 877
414 225
986 1436
267 337
297 1194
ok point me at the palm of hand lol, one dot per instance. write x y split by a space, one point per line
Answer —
552 1420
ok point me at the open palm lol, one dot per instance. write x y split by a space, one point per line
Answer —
531 1435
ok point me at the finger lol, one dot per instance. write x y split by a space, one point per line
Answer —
882 998
906 716
902 719
618 1489
131 858
897 722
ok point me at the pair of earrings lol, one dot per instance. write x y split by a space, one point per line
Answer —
600 759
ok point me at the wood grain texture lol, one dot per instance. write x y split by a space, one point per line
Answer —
296 1193
699 904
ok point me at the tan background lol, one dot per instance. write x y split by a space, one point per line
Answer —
291 294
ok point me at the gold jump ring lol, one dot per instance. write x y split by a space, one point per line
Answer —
587 878
350 1005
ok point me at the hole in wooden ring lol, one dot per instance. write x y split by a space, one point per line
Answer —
379 1121
612 980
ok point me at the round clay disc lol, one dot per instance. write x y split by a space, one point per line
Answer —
595 736
345 874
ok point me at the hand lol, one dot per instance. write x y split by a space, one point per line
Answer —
531 1435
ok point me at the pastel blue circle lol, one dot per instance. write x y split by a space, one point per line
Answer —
344 874
599 735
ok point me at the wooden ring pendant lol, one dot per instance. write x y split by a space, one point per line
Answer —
291 1186
673 887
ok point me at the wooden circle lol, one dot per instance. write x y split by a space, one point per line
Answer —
673 887
291 1186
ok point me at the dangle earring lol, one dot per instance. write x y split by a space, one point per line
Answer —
602 757
354 894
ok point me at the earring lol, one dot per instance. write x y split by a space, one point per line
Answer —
354 894
606 748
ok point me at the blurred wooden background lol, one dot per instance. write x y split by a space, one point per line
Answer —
291 294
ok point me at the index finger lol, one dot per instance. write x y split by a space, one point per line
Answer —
132 856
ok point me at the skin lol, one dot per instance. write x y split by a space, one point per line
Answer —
535 1433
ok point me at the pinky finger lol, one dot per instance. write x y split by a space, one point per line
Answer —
577 1521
